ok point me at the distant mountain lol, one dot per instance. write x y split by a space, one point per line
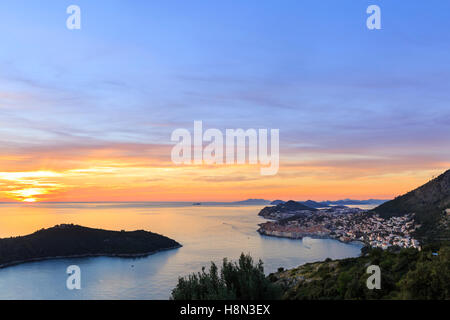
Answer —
253 202
346 202
428 202
312 203
76 241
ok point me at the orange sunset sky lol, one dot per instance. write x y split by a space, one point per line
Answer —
106 174
87 115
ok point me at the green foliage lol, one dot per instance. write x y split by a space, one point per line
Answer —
405 274
243 280
430 279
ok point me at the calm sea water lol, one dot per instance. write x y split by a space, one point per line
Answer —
207 233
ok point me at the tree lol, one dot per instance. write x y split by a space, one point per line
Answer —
243 280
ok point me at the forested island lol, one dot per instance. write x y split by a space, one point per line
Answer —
68 240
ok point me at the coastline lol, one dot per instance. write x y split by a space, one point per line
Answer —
289 235
90 255
164 269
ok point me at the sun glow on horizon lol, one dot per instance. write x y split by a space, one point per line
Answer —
27 195
124 182
28 186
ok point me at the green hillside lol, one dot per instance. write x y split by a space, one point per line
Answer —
407 274
428 202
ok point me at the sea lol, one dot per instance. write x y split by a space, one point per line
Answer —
207 232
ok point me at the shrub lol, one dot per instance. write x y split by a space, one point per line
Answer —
243 280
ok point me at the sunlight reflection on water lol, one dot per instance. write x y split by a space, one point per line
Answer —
207 233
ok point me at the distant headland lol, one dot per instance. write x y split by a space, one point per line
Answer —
73 241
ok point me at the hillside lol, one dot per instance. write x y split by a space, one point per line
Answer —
74 241
431 196
428 202
286 208
407 274
315 204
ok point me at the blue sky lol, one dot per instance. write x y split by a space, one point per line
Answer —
138 70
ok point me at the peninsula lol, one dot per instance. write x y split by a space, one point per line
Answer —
70 241
421 215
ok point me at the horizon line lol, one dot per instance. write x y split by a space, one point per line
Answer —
156 201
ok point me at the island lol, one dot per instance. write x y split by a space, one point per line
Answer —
73 241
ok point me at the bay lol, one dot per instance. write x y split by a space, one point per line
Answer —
208 233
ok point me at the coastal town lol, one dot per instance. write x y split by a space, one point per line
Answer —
344 224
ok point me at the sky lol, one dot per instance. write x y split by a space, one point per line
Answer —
87 115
